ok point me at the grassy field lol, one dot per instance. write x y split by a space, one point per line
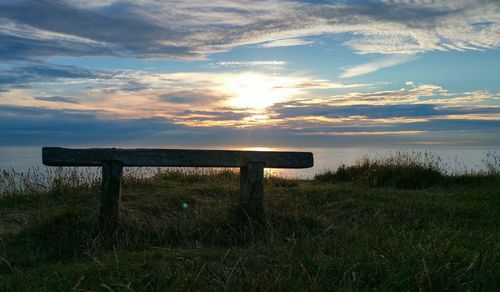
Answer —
361 227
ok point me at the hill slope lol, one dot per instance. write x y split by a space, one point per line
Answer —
179 232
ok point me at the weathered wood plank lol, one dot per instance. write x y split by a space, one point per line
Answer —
55 156
111 193
252 189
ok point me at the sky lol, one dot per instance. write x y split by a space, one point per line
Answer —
265 73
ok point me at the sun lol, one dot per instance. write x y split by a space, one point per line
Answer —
258 91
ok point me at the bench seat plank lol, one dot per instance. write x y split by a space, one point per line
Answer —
56 156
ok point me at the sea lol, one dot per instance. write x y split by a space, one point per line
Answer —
459 159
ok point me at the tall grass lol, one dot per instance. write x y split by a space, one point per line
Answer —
408 170
492 162
42 180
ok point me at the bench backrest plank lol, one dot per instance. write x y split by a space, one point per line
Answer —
56 156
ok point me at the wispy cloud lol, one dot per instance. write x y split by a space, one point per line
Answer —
36 72
152 29
250 63
55 99
127 93
201 100
192 97
286 43
72 127
416 94
388 61
363 133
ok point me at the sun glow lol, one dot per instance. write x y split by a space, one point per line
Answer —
258 148
258 91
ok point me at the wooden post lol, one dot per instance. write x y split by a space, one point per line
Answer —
252 189
111 193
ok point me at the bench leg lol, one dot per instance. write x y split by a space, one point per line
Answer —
252 189
111 193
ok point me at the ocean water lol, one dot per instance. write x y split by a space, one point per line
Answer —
453 159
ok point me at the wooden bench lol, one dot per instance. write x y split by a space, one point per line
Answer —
112 161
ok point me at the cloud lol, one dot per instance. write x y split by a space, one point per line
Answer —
179 97
30 73
378 111
140 94
37 126
198 104
286 43
191 30
97 28
412 94
55 99
192 97
388 110
325 84
374 66
361 133
48 127
250 63
200 116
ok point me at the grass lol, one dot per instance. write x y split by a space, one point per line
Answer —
410 170
179 232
